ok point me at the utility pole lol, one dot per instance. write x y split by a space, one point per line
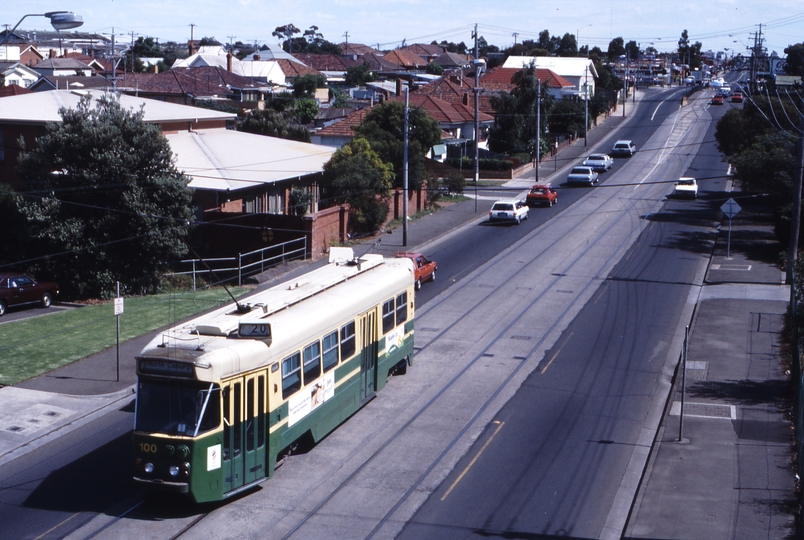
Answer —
477 115
230 42
515 34
585 106
792 249
405 172
346 37
538 122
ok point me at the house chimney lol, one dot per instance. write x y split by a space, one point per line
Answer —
399 87
256 57
155 68
191 47
465 99
51 53
229 61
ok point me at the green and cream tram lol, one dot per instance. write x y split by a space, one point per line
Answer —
221 398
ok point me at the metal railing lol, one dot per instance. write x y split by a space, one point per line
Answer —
245 264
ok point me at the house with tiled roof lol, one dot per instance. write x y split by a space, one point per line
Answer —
405 59
428 51
580 72
357 49
456 88
501 80
449 60
186 86
326 62
69 82
457 119
62 66
99 66
378 64
339 133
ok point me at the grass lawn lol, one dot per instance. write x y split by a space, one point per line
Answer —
34 346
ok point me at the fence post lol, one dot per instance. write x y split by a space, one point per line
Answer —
194 289
239 269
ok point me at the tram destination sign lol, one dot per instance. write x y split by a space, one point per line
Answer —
154 366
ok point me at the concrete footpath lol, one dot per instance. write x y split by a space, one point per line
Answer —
729 477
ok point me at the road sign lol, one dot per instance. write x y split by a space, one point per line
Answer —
118 306
731 208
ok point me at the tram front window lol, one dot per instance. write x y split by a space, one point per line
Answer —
177 407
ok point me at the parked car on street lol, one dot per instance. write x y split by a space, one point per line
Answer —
509 210
582 175
686 187
423 269
19 289
599 162
623 148
542 195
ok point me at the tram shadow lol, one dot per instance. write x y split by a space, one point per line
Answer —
92 483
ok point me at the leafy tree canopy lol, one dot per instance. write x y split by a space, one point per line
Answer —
306 85
616 48
514 129
358 75
795 59
568 46
357 175
104 200
274 123
383 127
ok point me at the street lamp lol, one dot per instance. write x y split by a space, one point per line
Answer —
61 20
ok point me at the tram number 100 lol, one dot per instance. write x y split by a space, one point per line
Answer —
148 447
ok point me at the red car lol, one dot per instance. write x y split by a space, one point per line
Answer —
717 100
542 194
737 97
424 269
18 289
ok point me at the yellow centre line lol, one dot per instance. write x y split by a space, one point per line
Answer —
466 470
55 527
558 351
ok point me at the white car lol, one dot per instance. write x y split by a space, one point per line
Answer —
599 162
686 187
623 148
509 210
582 175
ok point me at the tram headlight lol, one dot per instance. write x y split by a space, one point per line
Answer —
185 470
174 470
148 467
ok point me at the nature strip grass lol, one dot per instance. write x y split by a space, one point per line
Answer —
30 347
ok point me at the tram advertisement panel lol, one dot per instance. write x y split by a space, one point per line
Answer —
309 398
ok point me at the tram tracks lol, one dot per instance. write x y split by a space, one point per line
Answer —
599 205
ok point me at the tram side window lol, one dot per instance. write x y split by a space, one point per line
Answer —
291 374
312 362
347 340
330 350
387 316
401 308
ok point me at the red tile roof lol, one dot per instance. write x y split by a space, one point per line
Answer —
293 69
405 59
326 62
500 79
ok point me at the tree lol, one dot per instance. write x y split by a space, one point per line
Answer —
616 48
383 127
689 54
104 200
144 47
795 59
632 50
514 129
286 32
306 85
273 123
358 75
356 175
434 69
568 46
306 110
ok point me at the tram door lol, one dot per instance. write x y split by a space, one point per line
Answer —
233 427
254 428
368 361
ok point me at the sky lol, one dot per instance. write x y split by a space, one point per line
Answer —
722 25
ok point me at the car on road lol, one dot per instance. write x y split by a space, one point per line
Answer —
623 148
582 175
686 188
599 162
423 268
717 99
541 195
737 97
19 289
509 210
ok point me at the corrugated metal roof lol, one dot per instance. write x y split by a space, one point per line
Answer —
225 160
